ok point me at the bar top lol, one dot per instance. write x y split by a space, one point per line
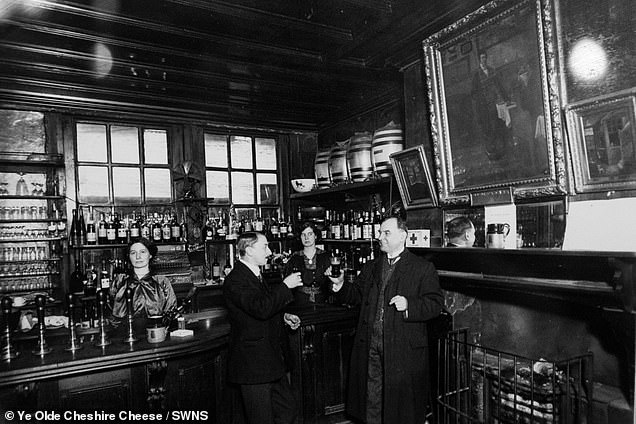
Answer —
211 330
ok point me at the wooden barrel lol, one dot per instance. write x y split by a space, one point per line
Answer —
386 140
321 168
359 159
338 162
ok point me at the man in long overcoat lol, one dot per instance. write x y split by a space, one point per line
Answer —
397 293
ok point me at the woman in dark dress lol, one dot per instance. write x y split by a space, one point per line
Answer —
151 297
311 262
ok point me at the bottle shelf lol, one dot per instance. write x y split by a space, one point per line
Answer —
16 197
118 245
19 159
29 220
360 188
31 239
341 241
57 259
29 274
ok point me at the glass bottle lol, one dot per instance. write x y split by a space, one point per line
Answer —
81 227
111 229
102 231
122 230
175 229
91 231
76 280
73 233
216 268
135 228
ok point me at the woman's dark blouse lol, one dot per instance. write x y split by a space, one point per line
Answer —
150 296
313 274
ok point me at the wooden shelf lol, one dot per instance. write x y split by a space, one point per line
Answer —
16 159
15 197
366 187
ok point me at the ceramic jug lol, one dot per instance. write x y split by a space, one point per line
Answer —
496 235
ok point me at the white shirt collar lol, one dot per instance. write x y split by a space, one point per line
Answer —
254 268
395 254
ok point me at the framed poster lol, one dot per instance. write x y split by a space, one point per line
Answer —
414 178
494 102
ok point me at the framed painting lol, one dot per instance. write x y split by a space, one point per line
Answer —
603 142
494 102
414 178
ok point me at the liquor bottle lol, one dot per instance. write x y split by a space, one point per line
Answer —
90 281
274 228
222 229
122 229
91 231
367 227
326 231
76 280
346 226
208 229
249 225
290 230
61 224
359 226
102 231
166 229
104 276
216 268
156 228
258 224
282 228
335 263
111 230
175 229
375 223
184 230
72 237
81 227
135 228
146 231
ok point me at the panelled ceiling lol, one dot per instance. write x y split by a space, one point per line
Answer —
283 63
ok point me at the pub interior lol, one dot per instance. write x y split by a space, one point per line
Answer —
193 121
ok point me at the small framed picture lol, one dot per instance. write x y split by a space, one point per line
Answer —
414 178
603 142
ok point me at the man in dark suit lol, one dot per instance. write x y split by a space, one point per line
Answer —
397 293
255 359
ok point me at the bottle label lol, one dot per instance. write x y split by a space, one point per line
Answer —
102 232
156 234
111 234
91 237
134 232
105 283
176 232
121 233
165 233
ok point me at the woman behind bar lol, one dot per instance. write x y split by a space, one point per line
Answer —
150 296
311 262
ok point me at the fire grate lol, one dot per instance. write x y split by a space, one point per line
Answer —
477 384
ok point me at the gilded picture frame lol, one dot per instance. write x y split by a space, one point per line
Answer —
494 102
602 136
414 178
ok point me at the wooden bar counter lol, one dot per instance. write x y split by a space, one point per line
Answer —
179 374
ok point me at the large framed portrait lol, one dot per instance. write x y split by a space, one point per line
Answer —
494 102
414 178
603 142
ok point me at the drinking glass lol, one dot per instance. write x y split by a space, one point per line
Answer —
21 188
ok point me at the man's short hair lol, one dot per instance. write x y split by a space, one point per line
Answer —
246 240
458 226
401 223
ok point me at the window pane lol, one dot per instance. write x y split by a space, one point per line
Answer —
156 146
217 187
242 188
267 189
158 186
126 185
241 152
93 184
124 144
91 143
216 150
266 153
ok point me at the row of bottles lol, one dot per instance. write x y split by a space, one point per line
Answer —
21 284
227 225
90 279
352 225
115 228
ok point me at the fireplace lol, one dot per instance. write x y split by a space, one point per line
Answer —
478 384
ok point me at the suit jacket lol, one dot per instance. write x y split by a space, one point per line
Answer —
406 373
256 320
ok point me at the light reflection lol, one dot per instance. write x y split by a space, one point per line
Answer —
8 6
103 60
588 60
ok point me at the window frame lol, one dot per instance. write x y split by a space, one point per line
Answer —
141 166
254 171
